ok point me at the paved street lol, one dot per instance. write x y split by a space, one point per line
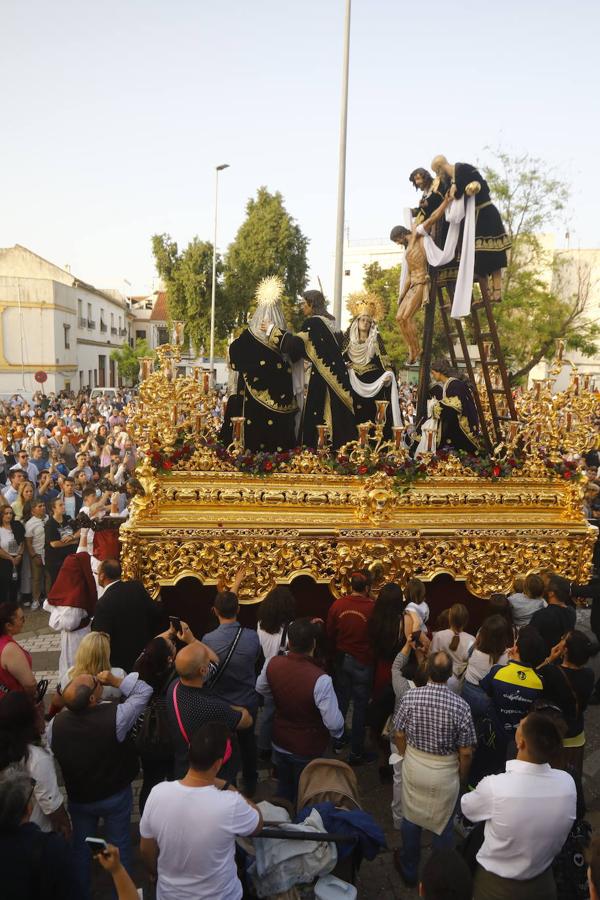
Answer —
377 879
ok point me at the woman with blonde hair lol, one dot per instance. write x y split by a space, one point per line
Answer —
25 493
92 657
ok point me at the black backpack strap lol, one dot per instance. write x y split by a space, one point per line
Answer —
230 653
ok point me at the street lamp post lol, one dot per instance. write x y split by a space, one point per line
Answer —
214 274
339 242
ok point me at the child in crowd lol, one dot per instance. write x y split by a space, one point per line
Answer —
527 598
455 640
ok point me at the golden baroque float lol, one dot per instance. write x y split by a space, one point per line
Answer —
203 517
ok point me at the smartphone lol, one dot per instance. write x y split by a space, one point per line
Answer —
96 845
176 623
416 637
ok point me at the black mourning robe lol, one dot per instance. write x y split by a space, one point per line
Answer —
264 396
328 397
491 239
445 274
459 422
365 409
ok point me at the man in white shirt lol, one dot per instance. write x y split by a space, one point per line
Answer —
528 812
35 537
188 828
16 478
82 466
26 466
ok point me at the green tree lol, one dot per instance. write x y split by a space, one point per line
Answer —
545 293
268 242
187 275
128 359
385 283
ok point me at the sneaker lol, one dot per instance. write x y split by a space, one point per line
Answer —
363 760
35 604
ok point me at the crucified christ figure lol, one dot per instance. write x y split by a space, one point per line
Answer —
415 292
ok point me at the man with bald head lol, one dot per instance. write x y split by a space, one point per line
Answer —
190 704
90 739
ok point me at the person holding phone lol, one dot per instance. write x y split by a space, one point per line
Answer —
110 860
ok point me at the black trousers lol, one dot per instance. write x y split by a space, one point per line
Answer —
247 743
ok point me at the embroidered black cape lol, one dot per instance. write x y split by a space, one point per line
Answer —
491 239
328 398
264 396
459 422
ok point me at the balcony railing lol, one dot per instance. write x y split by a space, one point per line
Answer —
91 323
103 326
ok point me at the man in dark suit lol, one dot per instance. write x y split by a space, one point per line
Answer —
127 613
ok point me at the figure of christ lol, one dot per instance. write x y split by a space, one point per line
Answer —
491 240
415 292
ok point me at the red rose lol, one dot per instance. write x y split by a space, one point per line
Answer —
268 466
496 471
512 462
167 464
567 474
362 470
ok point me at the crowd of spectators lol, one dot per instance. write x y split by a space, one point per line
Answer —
478 729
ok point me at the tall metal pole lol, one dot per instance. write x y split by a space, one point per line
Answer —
339 243
214 274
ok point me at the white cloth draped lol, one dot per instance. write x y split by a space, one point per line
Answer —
368 391
456 211
430 426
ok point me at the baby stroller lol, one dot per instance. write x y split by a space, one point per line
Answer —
329 788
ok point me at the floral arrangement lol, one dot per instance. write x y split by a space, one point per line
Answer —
261 463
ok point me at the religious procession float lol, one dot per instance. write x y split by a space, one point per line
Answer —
315 470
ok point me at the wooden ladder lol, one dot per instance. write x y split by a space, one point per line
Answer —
491 357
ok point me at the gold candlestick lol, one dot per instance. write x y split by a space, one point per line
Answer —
397 432
238 429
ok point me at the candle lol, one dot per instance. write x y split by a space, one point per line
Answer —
569 421
322 436
560 349
205 381
198 421
397 432
429 441
363 433
576 385
145 367
175 414
537 391
178 333
586 382
382 406
238 429
196 372
486 349
512 430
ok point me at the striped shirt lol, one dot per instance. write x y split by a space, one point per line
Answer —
435 720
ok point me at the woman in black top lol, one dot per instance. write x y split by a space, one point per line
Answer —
568 683
12 536
62 538
558 617
156 666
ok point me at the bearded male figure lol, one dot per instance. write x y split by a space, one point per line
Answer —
265 394
491 239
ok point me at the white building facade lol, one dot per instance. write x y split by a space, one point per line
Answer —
52 322
359 254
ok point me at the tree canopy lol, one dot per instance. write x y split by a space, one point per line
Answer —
268 242
128 359
187 275
545 293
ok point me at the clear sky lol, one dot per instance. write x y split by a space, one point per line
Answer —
114 115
